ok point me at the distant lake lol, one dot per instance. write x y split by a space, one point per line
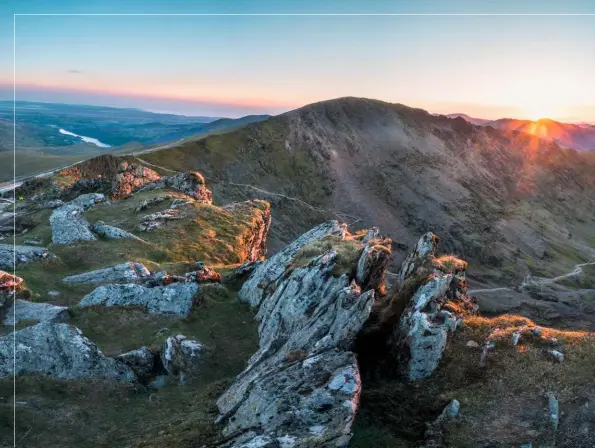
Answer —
85 139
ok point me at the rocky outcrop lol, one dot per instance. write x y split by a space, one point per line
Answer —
268 273
176 298
152 201
302 386
69 225
130 177
121 273
191 183
86 201
437 284
141 361
52 204
23 310
204 275
60 351
255 242
111 232
10 254
181 356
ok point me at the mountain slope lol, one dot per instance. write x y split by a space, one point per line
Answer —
579 137
472 120
511 203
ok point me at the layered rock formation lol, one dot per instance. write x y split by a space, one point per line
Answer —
301 388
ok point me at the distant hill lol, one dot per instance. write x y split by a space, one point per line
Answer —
472 120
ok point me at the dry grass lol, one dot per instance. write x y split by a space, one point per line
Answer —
348 251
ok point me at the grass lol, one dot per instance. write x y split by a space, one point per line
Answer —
502 400
96 413
348 251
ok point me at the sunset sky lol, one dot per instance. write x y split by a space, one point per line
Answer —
490 67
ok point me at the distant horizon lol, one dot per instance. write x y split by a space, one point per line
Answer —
215 117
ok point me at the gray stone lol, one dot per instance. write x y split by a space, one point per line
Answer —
121 273
302 386
425 248
553 410
177 298
69 225
557 355
267 273
60 351
181 356
86 201
21 254
52 204
156 220
42 312
111 232
141 361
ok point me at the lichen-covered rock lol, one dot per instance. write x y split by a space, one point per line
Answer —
121 273
111 232
10 254
422 332
302 385
372 264
181 356
267 273
141 361
69 225
152 201
241 273
177 298
130 178
52 204
255 242
42 312
86 201
60 351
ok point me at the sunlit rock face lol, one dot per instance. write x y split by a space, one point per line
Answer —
302 386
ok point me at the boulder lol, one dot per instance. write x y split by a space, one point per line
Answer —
141 361
86 201
60 351
302 386
130 178
121 273
69 225
21 254
266 274
177 298
43 312
111 232
181 356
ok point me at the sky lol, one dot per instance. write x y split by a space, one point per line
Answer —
486 66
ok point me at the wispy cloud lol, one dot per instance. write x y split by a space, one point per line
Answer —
75 72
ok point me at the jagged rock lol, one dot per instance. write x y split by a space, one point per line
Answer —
60 351
191 183
21 254
181 356
241 273
152 201
267 273
130 178
423 329
372 264
156 220
425 248
177 298
42 312
141 361
111 232
86 201
255 240
120 273
52 204
69 225
302 385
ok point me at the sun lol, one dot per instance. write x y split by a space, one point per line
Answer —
538 111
